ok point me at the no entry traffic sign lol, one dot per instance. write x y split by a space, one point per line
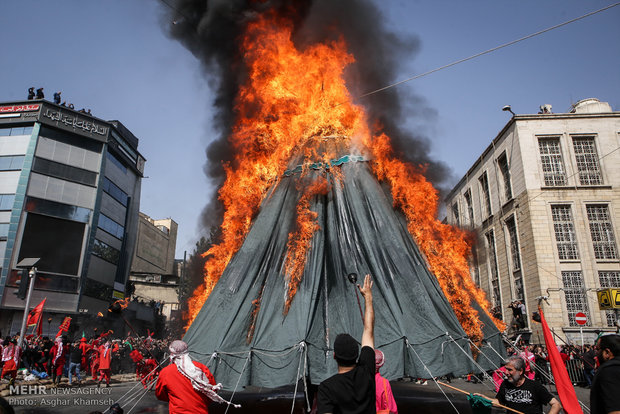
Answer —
581 318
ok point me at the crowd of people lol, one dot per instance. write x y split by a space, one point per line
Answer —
40 94
97 357
357 387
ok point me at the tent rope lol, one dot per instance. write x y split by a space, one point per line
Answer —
431 374
301 346
238 380
135 385
471 358
305 374
485 355
549 377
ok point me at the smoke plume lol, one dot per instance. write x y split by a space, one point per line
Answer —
211 29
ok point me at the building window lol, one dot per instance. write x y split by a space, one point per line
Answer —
64 172
475 266
494 272
552 164
4 231
587 161
115 191
502 162
564 232
5 132
486 193
610 280
11 163
470 207
116 162
575 295
602 232
514 243
6 201
455 212
110 226
106 252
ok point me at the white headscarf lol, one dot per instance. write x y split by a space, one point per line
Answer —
59 348
179 354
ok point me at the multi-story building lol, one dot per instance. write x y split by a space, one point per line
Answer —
70 196
153 270
544 202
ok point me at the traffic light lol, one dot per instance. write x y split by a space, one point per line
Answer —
22 290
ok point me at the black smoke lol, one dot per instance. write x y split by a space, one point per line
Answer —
211 29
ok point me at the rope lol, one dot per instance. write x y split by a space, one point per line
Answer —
480 350
471 358
301 346
146 391
239 379
538 367
135 385
305 373
431 374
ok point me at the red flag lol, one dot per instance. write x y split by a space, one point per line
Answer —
64 326
568 398
34 316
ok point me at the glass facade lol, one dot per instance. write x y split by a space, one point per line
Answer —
110 226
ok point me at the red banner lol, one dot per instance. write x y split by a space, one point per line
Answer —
34 316
64 326
19 108
568 398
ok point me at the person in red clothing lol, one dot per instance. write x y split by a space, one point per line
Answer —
11 355
187 385
105 359
58 357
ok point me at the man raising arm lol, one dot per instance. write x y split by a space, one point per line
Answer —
352 389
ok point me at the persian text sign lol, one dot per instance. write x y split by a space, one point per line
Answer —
19 108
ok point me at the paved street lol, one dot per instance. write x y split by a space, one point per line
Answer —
411 397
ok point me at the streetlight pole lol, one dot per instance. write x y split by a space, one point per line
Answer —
32 274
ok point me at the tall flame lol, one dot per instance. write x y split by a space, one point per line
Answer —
292 96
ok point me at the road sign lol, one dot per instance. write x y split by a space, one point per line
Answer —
615 297
581 318
604 299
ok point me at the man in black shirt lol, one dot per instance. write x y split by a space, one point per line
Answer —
605 395
352 389
521 393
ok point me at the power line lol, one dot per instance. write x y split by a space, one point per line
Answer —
488 51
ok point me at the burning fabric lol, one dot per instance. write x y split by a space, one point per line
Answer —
295 223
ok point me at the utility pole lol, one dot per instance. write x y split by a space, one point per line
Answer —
32 274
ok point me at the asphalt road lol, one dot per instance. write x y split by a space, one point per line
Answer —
410 397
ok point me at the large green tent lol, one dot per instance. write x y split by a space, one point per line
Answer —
246 338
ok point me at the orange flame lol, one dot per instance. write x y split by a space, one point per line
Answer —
299 241
290 97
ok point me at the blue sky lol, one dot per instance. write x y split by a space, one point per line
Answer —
114 58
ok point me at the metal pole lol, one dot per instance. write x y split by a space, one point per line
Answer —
32 274
581 331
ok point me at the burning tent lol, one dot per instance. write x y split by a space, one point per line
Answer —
315 189
269 338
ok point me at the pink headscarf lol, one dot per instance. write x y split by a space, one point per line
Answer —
379 360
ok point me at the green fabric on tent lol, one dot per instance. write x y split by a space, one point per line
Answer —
479 405
360 232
